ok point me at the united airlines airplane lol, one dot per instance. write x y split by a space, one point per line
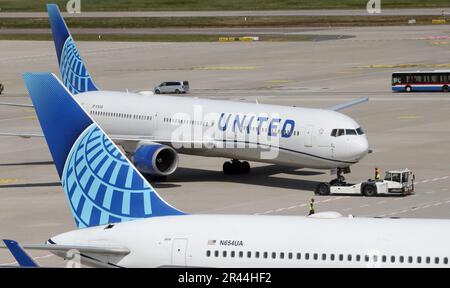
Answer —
154 129
123 222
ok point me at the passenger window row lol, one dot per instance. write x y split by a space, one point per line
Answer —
191 122
121 115
326 256
342 132
206 124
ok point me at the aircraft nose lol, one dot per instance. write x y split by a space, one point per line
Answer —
362 148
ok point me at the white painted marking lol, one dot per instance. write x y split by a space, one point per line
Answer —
381 202
34 258
365 205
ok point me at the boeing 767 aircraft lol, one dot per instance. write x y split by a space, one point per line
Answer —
123 222
154 129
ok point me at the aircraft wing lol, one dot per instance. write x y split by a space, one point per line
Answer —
121 139
117 138
349 104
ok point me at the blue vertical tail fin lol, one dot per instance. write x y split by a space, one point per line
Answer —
74 73
101 184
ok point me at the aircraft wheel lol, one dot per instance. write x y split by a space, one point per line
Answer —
245 167
323 189
236 167
227 168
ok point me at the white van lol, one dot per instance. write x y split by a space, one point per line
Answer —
176 87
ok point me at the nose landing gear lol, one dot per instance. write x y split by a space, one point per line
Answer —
236 167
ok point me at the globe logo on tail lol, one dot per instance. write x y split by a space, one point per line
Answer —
74 74
101 185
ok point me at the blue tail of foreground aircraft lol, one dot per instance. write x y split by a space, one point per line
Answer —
102 186
73 70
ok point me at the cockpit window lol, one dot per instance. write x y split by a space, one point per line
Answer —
337 132
342 132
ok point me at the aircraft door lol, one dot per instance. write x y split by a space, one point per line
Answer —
325 142
309 136
179 247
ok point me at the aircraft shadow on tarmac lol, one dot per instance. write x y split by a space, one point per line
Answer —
261 176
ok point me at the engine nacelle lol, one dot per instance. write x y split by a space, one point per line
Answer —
156 159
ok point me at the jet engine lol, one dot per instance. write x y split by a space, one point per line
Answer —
156 159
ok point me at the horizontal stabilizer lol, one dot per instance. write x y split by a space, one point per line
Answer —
110 250
21 256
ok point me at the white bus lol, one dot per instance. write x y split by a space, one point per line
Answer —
408 81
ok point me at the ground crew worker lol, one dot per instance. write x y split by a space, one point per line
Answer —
340 177
311 207
377 174
1 88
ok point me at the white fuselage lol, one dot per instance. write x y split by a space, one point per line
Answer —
299 137
271 241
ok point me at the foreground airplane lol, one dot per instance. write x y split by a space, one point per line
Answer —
154 129
127 224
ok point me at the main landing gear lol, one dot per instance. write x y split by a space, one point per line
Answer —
236 167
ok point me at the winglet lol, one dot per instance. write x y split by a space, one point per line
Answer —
101 184
74 73
21 256
349 104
